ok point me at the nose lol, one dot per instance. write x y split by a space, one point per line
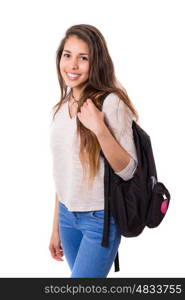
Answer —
74 64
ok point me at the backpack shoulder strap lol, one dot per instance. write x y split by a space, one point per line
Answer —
104 242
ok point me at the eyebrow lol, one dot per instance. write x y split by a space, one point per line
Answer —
79 53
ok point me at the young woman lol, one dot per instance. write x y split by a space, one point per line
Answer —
79 131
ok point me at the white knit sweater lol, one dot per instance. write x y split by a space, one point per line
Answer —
67 169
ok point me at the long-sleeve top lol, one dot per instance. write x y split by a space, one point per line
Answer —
65 145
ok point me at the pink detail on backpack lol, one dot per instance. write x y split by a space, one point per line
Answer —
164 206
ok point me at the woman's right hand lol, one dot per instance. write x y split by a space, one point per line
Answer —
55 247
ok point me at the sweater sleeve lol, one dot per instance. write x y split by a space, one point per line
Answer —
119 118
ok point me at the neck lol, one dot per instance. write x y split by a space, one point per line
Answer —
75 94
77 91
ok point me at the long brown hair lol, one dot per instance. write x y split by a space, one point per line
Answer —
101 81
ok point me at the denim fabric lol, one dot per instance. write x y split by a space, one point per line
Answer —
81 236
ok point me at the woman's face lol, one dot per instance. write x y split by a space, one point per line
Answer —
74 62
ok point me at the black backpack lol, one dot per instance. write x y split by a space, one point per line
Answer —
138 202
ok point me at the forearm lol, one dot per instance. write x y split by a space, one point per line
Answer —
55 219
117 157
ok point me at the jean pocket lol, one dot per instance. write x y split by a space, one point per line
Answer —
99 216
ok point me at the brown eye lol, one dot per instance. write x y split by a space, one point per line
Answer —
84 57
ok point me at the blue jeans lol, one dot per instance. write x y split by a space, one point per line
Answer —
81 236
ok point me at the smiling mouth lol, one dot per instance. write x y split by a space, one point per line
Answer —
73 76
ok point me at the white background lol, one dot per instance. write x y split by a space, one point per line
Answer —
146 42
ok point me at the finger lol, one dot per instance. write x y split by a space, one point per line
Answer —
56 254
59 250
89 101
52 251
59 255
59 258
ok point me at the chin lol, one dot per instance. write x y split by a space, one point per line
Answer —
74 85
